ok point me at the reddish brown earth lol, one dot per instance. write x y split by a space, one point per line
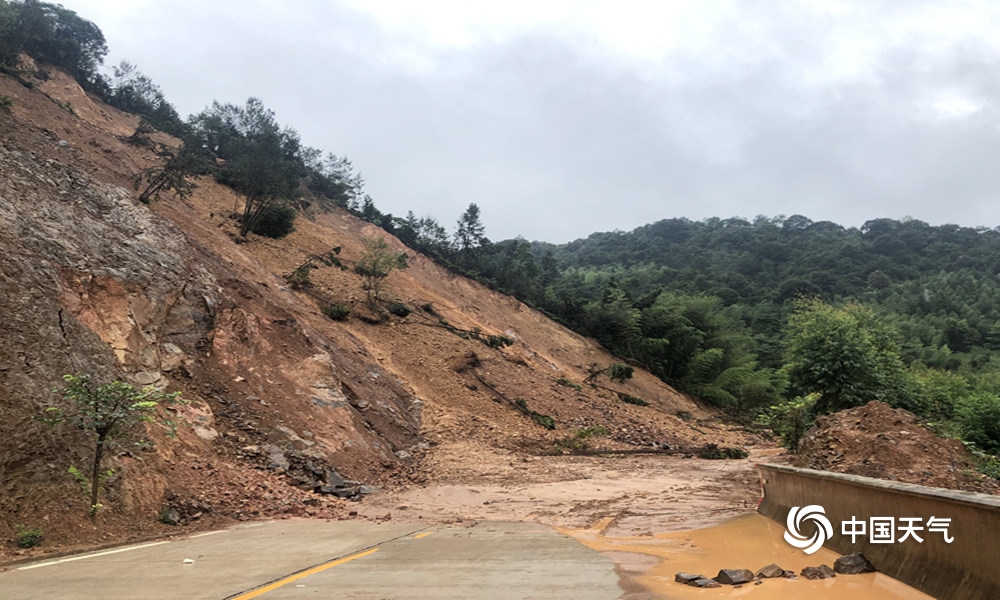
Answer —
876 440
92 281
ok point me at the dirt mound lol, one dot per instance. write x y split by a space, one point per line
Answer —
876 440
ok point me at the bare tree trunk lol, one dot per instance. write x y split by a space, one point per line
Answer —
95 476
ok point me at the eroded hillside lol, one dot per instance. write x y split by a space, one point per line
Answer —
283 399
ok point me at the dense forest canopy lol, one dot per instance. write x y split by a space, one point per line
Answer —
779 318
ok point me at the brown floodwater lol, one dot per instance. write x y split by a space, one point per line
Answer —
747 542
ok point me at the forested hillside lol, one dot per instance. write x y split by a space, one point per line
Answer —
777 319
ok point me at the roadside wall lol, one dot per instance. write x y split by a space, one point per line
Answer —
967 568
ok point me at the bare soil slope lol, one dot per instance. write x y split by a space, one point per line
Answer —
93 282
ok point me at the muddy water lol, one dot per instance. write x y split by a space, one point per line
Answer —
748 542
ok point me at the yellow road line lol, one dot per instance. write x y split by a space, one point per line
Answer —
300 575
422 535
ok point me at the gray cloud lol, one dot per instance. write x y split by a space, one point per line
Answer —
789 111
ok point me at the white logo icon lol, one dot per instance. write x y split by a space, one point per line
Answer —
814 513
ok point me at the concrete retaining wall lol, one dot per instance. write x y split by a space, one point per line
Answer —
967 568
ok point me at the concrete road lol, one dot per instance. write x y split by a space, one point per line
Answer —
317 559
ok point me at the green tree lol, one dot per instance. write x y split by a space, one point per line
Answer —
257 157
132 91
110 411
53 34
470 232
846 355
174 174
376 263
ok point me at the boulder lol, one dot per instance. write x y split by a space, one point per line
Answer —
734 576
771 570
853 564
820 572
696 580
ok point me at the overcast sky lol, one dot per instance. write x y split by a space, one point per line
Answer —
563 118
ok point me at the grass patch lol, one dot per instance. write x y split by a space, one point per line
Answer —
567 383
337 312
28 537
632 400
580 439
399 309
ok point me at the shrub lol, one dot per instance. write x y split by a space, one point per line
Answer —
791 419
5 102
275 221
544 420
632 400
978 417
169 516
337 312
566 382
27 537
399 309
580 440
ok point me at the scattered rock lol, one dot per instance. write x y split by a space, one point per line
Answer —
189 561
771 570
853 564
170 516
820 572
734 576
696 580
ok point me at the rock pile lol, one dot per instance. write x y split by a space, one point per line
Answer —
851 564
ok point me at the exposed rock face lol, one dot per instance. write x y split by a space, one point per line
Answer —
91 282
281 396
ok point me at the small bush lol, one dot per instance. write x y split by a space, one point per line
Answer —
791 419
276 221
169 516
399 309
978 418
580 440
990 466
27 537
620 372
5 102
566 382
684 415
544 420
337 312
632 400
